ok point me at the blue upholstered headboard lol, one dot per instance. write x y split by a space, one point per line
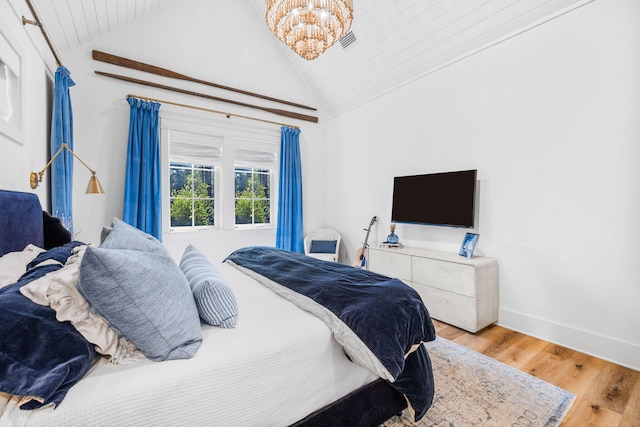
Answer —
22 222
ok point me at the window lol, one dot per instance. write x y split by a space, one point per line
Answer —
192 195
194 161
218 178
252 183
253 196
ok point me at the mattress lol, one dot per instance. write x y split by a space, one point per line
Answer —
277 365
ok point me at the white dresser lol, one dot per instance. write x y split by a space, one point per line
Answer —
456 290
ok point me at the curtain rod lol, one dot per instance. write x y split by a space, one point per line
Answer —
228 115
38 24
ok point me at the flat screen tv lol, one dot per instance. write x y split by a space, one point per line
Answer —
446 199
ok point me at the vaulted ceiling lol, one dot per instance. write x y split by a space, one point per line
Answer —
396 41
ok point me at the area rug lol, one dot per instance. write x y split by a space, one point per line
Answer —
475 390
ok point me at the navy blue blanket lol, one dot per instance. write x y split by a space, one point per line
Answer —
39 356
385 315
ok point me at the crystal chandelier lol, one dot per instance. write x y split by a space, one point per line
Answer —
309 27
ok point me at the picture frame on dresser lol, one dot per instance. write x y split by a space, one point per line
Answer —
469 245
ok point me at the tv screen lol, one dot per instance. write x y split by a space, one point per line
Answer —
446 198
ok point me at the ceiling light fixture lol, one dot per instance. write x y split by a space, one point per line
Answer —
309 27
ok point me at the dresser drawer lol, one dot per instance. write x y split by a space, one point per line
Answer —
448 276
390 264
454 309
456 290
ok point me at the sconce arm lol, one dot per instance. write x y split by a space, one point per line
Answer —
35 180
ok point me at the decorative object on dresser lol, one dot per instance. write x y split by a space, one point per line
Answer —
392 238
468 245
361 255
456 290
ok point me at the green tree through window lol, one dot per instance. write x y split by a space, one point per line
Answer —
192 195
253 196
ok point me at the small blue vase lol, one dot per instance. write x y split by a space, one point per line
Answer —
393 238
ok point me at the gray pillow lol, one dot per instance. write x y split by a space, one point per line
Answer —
214 298
125 236
105 232
145 297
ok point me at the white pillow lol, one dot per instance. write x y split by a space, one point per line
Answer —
14 264
59 291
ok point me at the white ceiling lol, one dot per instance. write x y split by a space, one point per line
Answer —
397 41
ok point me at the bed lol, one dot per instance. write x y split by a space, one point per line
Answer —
277 364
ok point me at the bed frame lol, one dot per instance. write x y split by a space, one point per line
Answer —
22 221
370 405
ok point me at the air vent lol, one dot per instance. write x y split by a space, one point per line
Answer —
347 39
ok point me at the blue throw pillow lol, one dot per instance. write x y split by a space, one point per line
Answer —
323 246
214 298
125 236
145 297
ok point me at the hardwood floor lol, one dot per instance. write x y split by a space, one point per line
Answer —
608 395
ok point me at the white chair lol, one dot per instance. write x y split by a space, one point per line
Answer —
323 244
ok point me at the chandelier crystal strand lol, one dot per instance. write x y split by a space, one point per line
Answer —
309 27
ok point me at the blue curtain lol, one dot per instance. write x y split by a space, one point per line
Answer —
289 231
62 166
142 207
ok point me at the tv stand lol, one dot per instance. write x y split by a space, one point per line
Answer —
456 290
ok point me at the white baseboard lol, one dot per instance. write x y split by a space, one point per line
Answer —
616 351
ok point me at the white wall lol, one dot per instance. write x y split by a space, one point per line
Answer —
198 41
29 153
550 120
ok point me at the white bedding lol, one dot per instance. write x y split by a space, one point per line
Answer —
277 366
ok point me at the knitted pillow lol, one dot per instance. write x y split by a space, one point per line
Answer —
214 298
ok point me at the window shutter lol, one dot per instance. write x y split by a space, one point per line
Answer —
197 154
255 159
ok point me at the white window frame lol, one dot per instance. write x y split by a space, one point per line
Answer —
261 137
257 146
215 171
